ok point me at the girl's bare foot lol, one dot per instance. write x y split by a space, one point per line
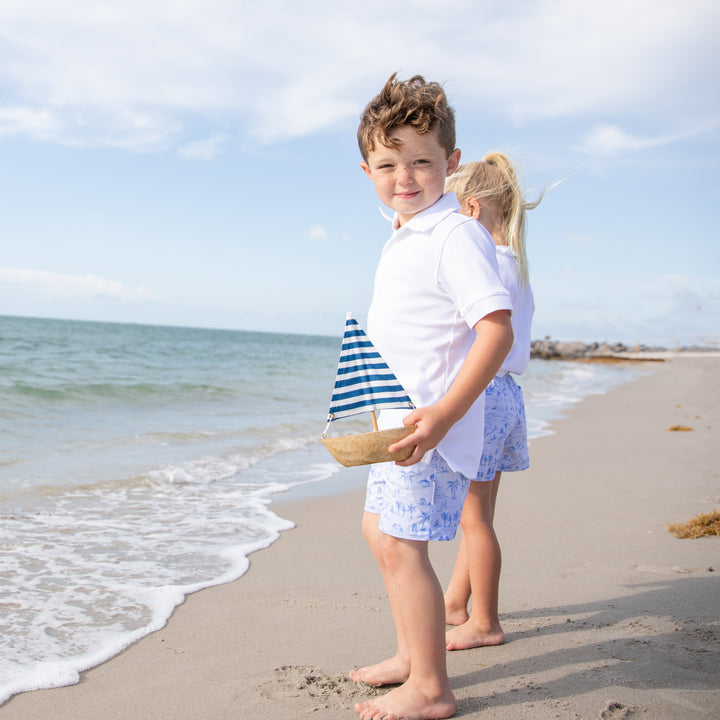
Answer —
389 672
467 635
456 615
409 703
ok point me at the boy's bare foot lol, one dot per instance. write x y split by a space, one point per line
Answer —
467 635
388 672
407 703
456 616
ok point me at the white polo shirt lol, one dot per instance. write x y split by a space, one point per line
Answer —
523 308
437 277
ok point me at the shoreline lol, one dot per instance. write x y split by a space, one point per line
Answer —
603 608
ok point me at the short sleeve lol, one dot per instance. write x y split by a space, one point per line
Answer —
468 272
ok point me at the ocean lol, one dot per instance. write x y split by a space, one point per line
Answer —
139 464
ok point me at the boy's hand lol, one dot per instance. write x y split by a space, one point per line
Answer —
432 424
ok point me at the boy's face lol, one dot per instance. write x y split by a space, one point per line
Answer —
411 178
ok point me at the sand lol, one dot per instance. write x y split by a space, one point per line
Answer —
607 614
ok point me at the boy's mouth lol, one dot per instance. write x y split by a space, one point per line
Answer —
407 195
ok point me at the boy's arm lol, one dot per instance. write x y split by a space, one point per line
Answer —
494 338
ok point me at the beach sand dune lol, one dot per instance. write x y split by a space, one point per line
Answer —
607 614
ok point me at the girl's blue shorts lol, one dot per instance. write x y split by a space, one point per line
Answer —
505 447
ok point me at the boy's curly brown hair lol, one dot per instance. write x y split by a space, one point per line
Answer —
414 102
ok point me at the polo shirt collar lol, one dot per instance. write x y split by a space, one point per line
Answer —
429 217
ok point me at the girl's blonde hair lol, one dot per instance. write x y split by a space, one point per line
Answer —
493 179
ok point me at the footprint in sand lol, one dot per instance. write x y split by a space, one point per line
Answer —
618 711
310 683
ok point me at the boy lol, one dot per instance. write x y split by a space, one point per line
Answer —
440 317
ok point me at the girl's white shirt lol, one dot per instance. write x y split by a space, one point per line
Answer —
523 309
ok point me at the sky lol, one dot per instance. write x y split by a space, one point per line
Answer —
195 163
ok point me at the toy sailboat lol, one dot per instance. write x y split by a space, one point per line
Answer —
364 383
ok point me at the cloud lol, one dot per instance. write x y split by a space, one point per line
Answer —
203 149
658 309
681 309
24 120
681 295
316 232
612 140
146 74
61 285
580 58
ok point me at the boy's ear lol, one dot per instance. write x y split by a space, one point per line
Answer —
366 168
453 162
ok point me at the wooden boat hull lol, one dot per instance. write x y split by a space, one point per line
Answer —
368 448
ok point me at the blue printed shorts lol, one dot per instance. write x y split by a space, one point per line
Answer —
420 502
505 446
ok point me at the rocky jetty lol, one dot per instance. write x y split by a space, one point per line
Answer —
548 349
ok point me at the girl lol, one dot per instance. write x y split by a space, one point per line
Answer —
489 191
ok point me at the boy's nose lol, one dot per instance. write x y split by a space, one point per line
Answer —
405 175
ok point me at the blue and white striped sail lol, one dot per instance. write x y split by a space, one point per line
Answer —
364 382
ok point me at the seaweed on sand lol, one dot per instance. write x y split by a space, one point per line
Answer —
701 525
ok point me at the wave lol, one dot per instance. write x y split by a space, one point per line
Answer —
214 469
105 564
123 390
